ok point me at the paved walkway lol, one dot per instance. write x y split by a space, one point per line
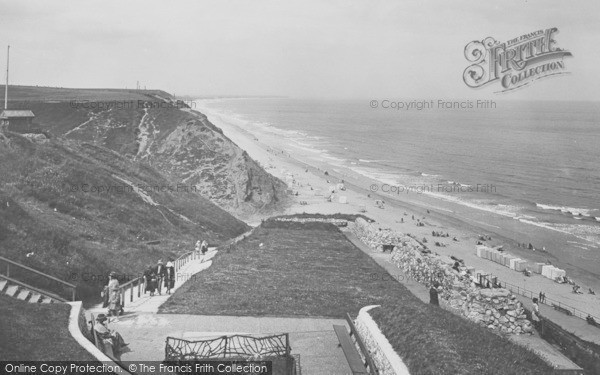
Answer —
540 346
313 339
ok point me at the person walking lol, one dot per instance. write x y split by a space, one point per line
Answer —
169 277
160 275
150 279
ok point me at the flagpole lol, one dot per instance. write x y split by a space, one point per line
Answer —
6 86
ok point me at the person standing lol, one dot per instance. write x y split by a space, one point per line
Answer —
114 295
204 247
433 295
535 313
169 277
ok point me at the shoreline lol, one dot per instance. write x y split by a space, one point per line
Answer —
307 178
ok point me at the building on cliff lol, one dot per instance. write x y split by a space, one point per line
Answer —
20 121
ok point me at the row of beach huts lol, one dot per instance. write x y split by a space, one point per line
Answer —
514 263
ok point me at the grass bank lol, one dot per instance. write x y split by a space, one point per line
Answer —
37 332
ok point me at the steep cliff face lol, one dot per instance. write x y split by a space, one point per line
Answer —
182 144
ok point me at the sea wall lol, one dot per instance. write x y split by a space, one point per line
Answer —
497 309
387 361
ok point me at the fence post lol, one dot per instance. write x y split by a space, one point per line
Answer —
73 294
131 294
139 288
7 269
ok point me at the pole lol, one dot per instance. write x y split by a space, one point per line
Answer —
6 86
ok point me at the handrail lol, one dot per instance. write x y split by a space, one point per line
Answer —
38 272
139 281
42 292
9 262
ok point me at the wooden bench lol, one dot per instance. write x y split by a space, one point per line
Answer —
562 309
105 345
352 356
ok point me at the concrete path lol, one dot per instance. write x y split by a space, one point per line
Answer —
312 338
546 351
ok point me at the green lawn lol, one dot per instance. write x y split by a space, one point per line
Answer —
37 332
301 269
313 270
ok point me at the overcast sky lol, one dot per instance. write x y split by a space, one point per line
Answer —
337 49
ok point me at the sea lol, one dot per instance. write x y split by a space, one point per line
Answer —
537 162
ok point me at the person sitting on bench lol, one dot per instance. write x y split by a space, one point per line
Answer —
107 334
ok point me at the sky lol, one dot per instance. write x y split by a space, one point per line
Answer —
313 49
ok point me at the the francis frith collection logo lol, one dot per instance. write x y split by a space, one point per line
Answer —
515 63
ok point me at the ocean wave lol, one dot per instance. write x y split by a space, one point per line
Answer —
567 210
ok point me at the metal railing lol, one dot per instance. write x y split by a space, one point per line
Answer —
547 301
68 286
140 282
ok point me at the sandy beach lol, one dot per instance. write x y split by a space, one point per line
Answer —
311 186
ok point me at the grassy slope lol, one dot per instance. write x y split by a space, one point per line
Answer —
313 270
88 234
37 332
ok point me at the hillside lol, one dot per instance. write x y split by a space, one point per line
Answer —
77 211
27 329
151 127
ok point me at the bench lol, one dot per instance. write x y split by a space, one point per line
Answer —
562 309
352 356
105 345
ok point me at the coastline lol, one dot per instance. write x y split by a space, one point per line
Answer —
306 176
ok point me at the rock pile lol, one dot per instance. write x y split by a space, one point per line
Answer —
496 309
376 237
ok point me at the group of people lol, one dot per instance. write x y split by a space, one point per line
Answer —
161 275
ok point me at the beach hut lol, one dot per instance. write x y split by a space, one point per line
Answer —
537 267
513 262
559 273
547 271
520 265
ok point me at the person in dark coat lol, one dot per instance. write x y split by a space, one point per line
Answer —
169 277
160 274
433 295
150 278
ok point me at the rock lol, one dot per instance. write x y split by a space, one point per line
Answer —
495 293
